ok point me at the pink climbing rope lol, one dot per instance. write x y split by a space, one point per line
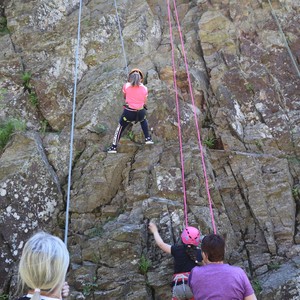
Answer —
178 118
194 111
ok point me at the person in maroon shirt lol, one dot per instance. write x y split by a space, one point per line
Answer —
216 279
186 257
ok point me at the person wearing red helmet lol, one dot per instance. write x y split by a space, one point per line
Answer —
186 256
135 94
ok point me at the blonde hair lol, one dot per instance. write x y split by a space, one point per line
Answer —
44 263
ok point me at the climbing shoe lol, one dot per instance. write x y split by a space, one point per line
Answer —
112 149
148 141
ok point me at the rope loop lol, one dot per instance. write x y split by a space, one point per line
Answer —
195 116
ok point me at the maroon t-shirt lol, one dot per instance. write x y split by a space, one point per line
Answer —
219 281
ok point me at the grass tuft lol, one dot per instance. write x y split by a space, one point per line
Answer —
8 128
3 26
144 265
209 142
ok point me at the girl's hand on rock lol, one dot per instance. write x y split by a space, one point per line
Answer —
152 227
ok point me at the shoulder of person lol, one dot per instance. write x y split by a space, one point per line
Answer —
235 268
126 85
197 269
178 247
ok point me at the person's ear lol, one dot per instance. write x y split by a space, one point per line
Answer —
204 257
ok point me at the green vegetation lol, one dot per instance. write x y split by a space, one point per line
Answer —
144 265
258 144
26 78
3 28
96 258
295 192
89 287
209 142
293 159
130 135
87 22
100 129
44 124
249 87
8 128
3 297
273 266
256 286
34 101
91 60
96 231
2 92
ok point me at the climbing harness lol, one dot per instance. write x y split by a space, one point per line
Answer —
284 39
121 37
195 116
180 278
180 288
72 124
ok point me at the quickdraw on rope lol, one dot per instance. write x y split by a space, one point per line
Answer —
195 115
121 37
284 39
72 124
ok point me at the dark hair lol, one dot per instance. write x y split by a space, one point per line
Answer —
213 245
135 78
191 252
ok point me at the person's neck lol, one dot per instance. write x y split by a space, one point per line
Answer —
52 295
214 262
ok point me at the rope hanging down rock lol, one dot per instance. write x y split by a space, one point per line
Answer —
195 116
284 39
178 118
121 37
72 124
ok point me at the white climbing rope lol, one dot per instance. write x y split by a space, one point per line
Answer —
72 124
121 37
284 39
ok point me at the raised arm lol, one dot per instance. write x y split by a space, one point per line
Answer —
159 241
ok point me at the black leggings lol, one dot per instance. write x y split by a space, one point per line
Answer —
130 116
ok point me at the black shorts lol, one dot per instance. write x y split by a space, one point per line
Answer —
130 115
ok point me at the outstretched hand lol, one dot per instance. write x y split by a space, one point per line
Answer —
152 227
159 241
65 290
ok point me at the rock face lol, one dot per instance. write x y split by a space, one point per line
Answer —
30 196
246 92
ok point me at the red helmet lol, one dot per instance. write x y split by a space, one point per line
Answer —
190 236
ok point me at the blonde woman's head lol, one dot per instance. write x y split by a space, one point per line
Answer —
44 263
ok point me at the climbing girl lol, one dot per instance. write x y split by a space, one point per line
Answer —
135 94
186 257
43 267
